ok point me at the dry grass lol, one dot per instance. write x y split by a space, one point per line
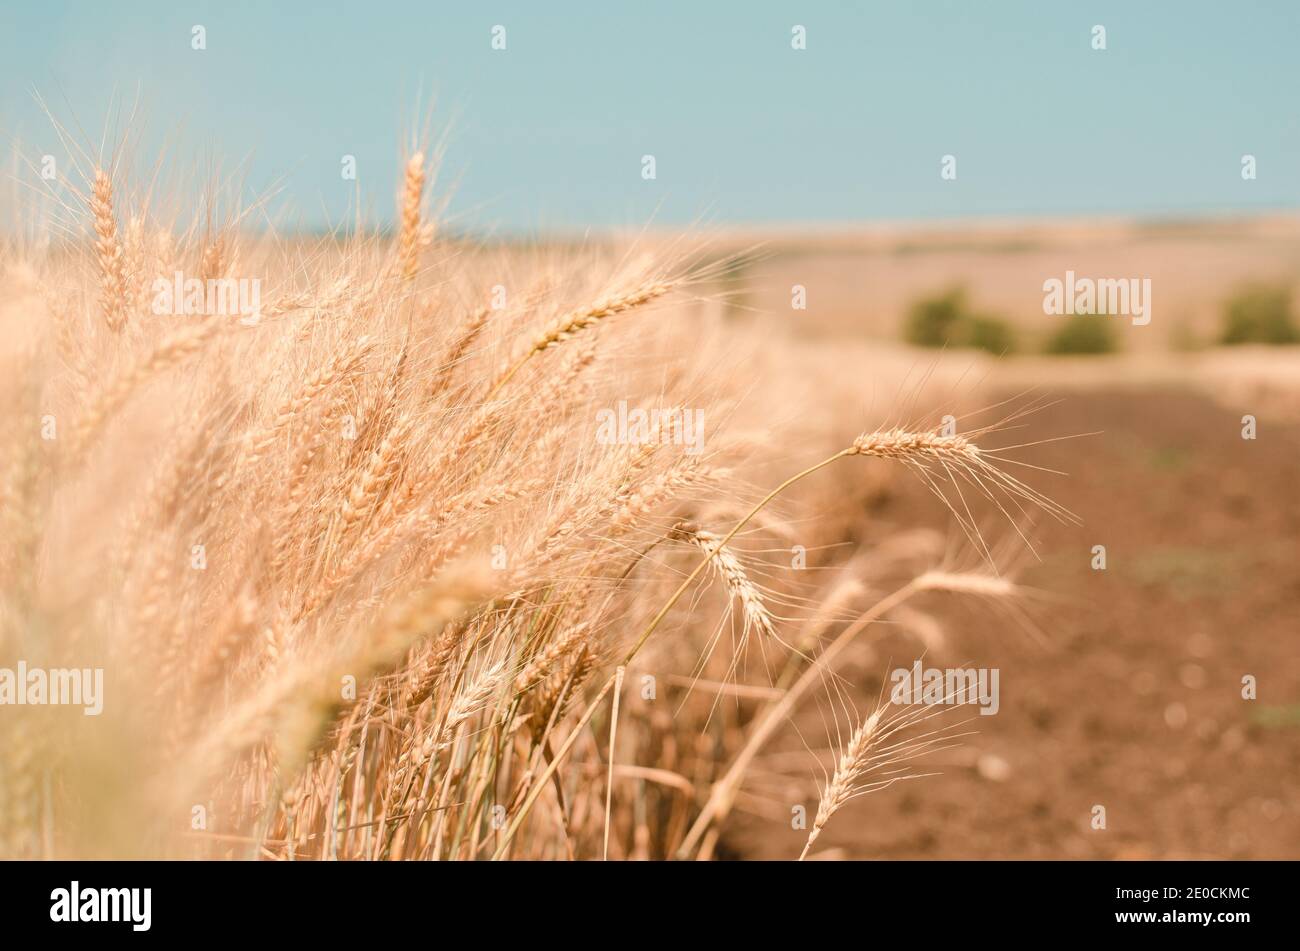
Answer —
363 579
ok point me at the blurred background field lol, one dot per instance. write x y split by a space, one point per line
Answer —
866 284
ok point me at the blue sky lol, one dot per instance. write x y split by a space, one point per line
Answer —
550 132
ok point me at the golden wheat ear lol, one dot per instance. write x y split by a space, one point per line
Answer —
876 756
956 457
415 234
577 321
109 253
733 574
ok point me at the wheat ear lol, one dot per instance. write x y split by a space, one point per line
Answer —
414 237
839 788
577 321
733 575
956 457
108 252
869 760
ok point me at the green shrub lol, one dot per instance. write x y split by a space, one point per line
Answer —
1083 334
933 322
992 334
945 320
1259 313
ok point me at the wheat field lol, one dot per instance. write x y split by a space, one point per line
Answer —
386 569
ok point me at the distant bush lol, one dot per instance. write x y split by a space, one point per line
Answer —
990 333
933 321
1259 313
1083 334
945 320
